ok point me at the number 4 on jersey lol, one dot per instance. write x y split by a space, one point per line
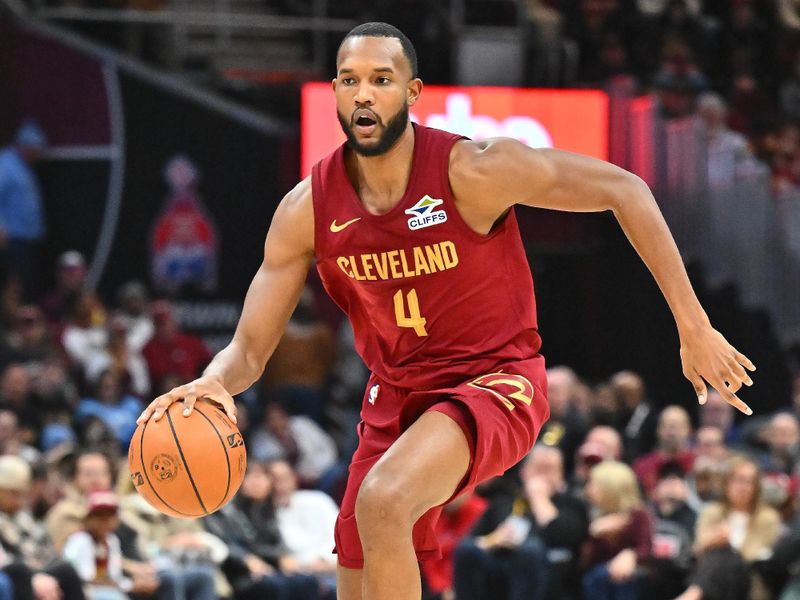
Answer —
414 320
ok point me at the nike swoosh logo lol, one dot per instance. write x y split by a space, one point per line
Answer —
337 228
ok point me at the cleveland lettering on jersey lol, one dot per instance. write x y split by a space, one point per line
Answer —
399 264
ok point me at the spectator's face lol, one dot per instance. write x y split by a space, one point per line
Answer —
284 482
16 385
629 388
560 389
277 419
12 501
671 490
608 438
101 524
257 484
716 412
71 278
547 464
673 429
783 433
742 487
108 388
710 443
92 474
594 493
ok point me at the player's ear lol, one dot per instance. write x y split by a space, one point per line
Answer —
333 84
413 91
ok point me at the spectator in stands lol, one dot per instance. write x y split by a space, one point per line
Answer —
70 282
457 519
303 360
710 443
783 438
706 481
22 224
299 441
259 564
670 498
118 356
716 412
133 303
11 439
16 395
306 520
728 151
566 427
95 550
673 533
89 471
530 542
112 406
731 534
171 352
620 536
674 445
23 538
679 79
636 417
601 443
176 553
29 340
85 335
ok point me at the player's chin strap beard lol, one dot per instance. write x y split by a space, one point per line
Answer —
392 131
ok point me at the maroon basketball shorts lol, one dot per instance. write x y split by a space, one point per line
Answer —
500 412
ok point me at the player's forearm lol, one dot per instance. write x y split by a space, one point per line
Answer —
641 220
235 368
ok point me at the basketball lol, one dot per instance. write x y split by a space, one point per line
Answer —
191 466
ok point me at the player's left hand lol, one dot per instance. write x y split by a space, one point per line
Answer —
708 357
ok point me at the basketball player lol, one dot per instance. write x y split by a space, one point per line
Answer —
414 235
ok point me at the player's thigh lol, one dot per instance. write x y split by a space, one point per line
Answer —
348 583
423 468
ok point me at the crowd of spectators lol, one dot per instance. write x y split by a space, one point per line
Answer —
619 499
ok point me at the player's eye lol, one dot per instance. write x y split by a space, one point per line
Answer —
382 80
348 80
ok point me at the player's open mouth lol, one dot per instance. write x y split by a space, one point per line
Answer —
365 125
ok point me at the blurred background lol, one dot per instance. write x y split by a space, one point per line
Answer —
144 145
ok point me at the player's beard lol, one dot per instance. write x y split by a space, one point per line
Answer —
392 131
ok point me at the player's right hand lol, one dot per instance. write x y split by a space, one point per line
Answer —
207 386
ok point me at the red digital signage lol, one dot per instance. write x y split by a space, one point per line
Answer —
574 120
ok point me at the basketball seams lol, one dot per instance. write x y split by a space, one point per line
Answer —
185 464
147 476
225 452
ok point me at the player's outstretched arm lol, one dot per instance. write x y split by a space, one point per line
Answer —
488 177
270 300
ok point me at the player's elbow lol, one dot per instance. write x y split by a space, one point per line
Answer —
626 189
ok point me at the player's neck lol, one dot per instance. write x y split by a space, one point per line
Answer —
381 181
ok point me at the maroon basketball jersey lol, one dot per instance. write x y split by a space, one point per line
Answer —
431 301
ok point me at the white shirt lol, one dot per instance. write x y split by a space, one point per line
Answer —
79 551
306 525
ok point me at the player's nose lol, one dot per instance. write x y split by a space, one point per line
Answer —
364 95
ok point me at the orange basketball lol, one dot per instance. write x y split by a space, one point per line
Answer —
188 466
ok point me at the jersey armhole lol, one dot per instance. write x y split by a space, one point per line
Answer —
317 195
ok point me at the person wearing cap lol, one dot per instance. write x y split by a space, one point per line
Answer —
25 542
21 212
95 551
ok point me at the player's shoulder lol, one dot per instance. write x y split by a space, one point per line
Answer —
474 161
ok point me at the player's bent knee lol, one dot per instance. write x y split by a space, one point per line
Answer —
383 501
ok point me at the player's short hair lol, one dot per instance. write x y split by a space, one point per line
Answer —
379 29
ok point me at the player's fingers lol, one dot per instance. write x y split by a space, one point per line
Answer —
743 360
731 398
699 385
737 370
188 403
225 401
162 403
